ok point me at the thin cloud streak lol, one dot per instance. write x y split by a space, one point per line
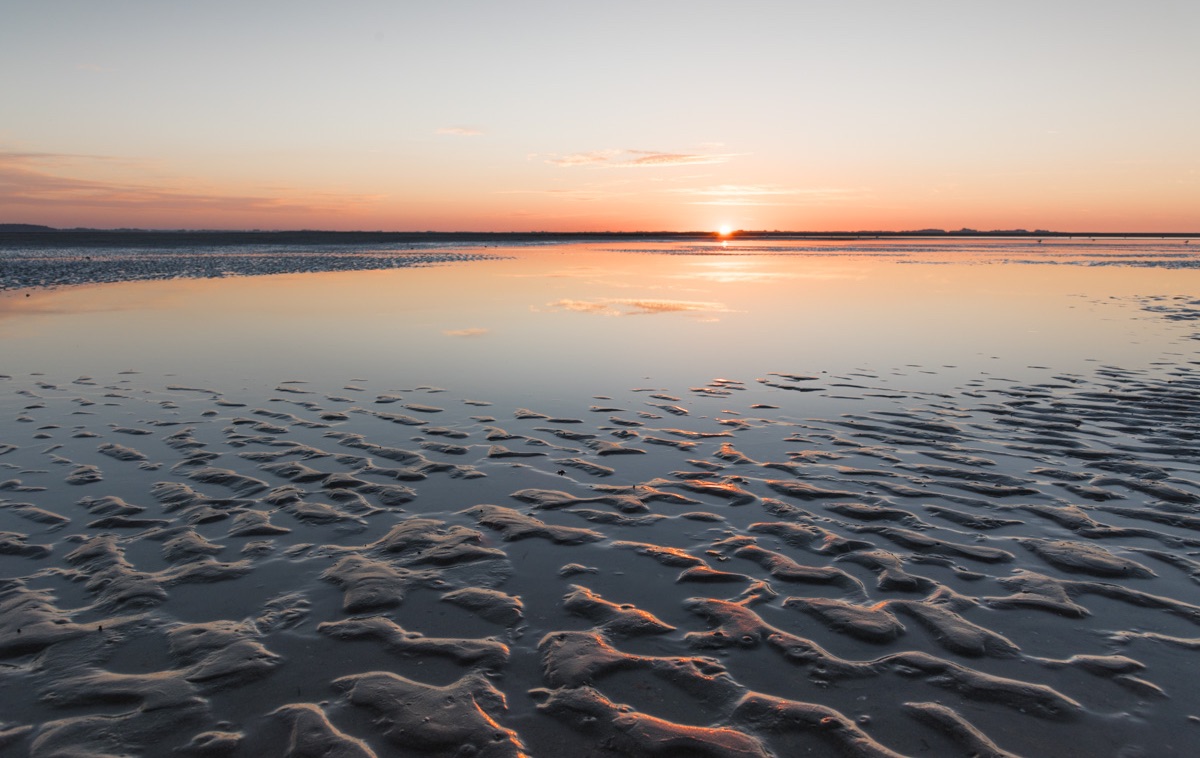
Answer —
459 131
596 157
648 158
638 159
25 180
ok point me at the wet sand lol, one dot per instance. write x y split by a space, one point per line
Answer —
792 562
365 569
70 266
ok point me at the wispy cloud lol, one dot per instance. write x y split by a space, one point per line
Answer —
635 306
637 159
651 158
475 332
594 158
459 131
43 179
764 194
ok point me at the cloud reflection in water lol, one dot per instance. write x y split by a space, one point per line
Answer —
635 307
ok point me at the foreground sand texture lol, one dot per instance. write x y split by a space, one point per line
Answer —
365 569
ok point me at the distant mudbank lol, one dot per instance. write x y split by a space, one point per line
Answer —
22 268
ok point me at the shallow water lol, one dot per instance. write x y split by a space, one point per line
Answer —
582 317
852 483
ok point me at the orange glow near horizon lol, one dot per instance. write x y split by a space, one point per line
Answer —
73 191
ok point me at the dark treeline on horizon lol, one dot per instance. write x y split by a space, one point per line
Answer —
33 235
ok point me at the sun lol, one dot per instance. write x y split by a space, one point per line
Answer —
724 230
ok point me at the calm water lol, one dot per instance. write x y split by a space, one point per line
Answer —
589 318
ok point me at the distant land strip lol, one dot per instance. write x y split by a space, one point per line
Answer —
34 236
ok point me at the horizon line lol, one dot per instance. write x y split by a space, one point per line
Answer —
19 228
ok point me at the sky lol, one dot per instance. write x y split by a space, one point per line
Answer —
621 116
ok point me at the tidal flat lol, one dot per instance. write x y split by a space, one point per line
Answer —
656 498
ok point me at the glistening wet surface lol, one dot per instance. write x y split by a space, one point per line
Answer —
907 558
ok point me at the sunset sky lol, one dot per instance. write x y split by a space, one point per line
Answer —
525 115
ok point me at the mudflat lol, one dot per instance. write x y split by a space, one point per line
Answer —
889 559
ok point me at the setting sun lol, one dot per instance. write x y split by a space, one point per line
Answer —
725 230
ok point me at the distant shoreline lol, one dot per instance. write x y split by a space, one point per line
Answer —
30 235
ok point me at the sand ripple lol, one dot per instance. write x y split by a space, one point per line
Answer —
1007 570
